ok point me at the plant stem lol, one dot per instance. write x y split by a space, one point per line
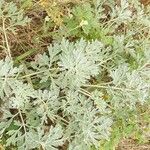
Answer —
108 87
22 120
39 72
6 39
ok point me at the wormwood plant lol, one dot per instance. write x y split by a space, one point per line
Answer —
78 95
10 19
66 109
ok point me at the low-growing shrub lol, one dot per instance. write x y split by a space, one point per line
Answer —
88 89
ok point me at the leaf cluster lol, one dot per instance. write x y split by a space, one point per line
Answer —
86 90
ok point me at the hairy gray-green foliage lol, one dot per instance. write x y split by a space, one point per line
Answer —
75 88
71 115
10 19
67 108
11 16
